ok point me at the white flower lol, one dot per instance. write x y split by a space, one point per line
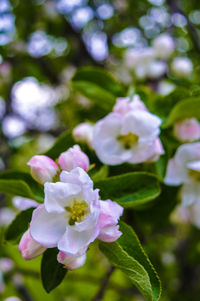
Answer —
182 66
164 46
184 169
129 134
68 218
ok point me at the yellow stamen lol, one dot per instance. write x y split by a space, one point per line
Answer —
78 211
128 140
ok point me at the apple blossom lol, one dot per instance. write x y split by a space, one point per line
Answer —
187 130
71 262
184 169
69 217
29 248
73 157
182 66
83 133
43 169
164 46
129 134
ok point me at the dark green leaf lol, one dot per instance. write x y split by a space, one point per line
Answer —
187 108
62 143
130 190
128 255
19 225
52 272
21 184
97 85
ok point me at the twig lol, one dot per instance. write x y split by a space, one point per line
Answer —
104 284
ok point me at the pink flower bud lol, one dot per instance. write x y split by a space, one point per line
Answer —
29 248
187 130
71 262
43 169
84 133
110 213
72 158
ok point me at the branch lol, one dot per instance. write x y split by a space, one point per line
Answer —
104 284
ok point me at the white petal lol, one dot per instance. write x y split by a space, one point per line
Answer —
190 193
141 123
58 195
75 243
173 176
76 176
47 228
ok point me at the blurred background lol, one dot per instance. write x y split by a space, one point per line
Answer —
42 43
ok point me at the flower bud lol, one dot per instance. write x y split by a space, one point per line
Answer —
182 67
187 130
29 248
43 169
84 133
164 46
72 158
71 262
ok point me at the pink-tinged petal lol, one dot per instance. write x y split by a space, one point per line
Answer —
187 130
75 243
71 262
84 133
122 105
47 228
58 195
29 248
43 169
110 213
173 176
137 103
158 150
72 158
110 234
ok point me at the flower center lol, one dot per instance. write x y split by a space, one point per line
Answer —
128 140
195 174
77 211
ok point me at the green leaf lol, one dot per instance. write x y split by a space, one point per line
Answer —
97 85
19 225
128 255
52 272
133 189
101 174
21 184
186 108
62 143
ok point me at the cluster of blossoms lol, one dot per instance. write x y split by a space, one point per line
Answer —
130 133
152 62
184 168
72 215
